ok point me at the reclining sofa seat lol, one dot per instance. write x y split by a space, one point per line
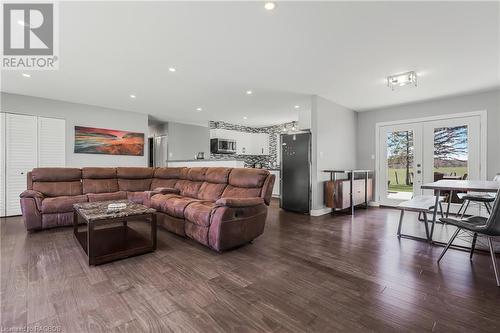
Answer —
49 200
218 207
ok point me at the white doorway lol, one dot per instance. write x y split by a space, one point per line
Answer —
417 151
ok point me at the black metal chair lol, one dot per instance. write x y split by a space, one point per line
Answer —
475 197
478 225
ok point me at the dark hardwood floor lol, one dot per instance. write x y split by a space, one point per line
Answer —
304 274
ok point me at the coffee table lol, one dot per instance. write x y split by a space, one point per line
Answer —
103 240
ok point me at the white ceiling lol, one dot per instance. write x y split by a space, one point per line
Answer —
339 50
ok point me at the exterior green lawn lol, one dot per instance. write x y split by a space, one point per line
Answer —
401 187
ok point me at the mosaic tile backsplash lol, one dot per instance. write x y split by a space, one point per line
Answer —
269 161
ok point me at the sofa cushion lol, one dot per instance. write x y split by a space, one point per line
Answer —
56 174
217 175
241 192
196 174
246 177
134 185
160 182
210 191
158 200
62 204
136 196
175 206
57 189
134 173
98 173
188 188
199 213
168 173
99 180
100 185
120 195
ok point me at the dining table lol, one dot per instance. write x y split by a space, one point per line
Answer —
452 185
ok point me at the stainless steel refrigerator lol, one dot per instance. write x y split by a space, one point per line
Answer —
296 172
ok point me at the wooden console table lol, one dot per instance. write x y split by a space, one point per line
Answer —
365 189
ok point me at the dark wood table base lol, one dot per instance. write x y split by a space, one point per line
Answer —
102 242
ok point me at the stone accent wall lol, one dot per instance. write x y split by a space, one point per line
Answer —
269 161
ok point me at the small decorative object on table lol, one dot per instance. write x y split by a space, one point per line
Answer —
116 206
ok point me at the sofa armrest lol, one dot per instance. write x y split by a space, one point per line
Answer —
239 202
31 194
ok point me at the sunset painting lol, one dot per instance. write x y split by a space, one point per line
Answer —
90 140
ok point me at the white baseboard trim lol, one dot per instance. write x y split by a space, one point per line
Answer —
324 211
319 212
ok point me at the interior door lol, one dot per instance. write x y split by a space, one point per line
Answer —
21 157
160 151
400 159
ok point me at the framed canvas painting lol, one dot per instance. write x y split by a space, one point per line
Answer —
89 140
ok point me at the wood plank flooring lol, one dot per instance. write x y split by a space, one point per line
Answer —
303 275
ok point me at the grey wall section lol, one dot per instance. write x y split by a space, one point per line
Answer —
333 129
82 115
489 101
185 141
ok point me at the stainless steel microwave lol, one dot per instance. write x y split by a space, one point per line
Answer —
222 146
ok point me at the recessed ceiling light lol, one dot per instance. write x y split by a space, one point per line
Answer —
171 69
249 92
199 109
132 96
26 75
297 106
245 118
270 5
402 79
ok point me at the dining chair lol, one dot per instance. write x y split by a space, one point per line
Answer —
479 225
476 197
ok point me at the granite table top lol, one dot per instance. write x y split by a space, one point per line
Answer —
95 211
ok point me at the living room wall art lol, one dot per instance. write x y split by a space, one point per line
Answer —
89 140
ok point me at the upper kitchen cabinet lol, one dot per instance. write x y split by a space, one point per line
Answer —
246 143
261 144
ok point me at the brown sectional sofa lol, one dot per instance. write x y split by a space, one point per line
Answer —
221 208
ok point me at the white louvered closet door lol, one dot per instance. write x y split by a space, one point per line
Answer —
21 157
51 142
2 164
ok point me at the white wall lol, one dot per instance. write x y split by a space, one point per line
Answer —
185 141
333 129
82 115
489 101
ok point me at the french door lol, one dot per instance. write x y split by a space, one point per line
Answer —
418 152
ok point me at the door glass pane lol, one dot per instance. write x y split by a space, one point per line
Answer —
451 153
400 155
